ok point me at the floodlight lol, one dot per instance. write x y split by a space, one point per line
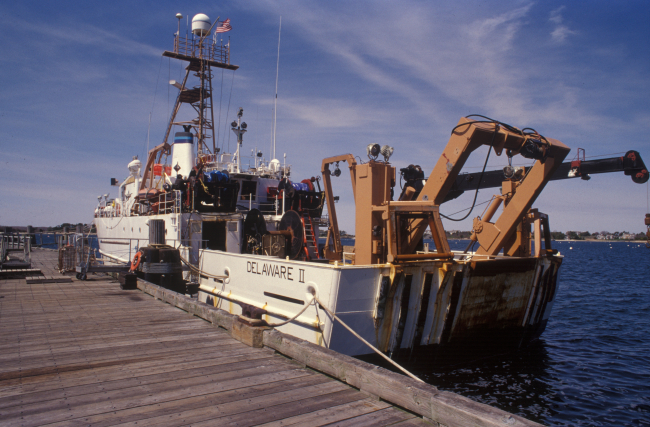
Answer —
373 151
386 151
337 171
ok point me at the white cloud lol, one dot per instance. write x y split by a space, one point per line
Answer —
328 113
561 31
78 34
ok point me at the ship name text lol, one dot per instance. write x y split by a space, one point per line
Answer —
274 270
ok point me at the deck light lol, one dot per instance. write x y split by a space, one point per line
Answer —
386 151
337 171
373 151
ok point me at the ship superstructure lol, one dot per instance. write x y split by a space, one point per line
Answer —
248 235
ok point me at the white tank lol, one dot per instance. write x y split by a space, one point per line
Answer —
183 153
201 25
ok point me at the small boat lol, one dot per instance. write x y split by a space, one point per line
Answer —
248 236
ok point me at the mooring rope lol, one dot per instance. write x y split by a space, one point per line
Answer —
376 350
293 318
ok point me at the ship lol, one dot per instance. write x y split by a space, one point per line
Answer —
245 238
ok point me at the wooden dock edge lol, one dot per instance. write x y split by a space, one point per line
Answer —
440 407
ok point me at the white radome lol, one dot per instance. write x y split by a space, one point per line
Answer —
201 25
134 167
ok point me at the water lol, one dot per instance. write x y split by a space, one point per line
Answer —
591 366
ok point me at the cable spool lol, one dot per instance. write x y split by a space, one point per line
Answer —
291 221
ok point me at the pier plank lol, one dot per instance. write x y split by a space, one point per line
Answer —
167 409
271 410
332 414
388 416
121 380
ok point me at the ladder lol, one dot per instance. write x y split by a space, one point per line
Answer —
309 239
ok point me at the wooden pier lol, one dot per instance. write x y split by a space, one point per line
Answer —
89 353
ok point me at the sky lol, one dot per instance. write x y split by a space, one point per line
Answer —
85 88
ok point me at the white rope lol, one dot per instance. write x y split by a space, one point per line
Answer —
367 343
294 317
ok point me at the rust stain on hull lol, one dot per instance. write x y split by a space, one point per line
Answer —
506 300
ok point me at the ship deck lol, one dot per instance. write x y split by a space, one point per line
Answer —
88 353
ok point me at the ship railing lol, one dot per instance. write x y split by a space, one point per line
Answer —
163 203
208 49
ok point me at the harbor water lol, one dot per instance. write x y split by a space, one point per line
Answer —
591 367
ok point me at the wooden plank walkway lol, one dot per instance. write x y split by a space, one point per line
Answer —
88 353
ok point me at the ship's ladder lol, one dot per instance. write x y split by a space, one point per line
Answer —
309 238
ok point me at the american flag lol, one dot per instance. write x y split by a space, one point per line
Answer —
225 26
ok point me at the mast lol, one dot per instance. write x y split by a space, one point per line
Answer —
202 55
277 72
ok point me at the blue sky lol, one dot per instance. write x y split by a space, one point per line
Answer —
80 79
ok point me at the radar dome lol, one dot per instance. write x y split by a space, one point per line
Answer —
201 25
134 167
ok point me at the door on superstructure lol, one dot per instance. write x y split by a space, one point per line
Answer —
196 240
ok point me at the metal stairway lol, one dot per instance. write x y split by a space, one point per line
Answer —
309 239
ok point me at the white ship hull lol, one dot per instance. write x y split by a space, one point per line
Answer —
428 306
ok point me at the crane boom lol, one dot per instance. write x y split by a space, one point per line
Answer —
631 164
